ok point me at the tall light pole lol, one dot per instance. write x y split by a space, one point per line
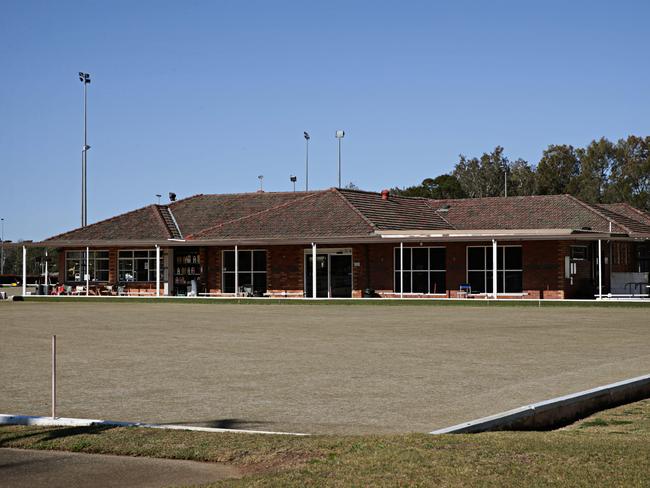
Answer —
293 179
261 178
85 79
505 179
340 134
306 135
2 249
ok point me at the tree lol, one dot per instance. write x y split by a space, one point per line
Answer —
483 177
630 172
521 179
439 188
557 170
596 162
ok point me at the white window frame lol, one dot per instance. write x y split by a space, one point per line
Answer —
410 269
504 270
240 272
151 256
92 261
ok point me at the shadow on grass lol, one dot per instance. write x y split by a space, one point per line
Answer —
53 433
235 424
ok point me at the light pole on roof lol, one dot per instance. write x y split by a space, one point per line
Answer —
261 178
2 249
85 79
306 136
340 134
293 179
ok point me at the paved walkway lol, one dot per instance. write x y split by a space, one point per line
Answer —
52 469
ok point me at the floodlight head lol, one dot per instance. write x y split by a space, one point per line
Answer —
340 134
260 177
172 196
306 135
293 178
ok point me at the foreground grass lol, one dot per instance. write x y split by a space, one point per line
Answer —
608 449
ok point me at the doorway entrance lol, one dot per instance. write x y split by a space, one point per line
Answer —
333 273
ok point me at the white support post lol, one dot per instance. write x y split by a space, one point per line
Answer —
401 270
313 270
236 271
53 377
87 271
157 270
24 270
600 270
494 268
46 274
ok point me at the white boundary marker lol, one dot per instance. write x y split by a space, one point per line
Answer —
8 419
560 407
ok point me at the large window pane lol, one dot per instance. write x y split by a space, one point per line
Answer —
229 283
513 258
476 280
476 258
420 282
259 261
244 263
259 282
514 282
420 259
438 282
438 261
229 260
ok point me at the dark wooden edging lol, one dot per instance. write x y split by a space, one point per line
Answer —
559 411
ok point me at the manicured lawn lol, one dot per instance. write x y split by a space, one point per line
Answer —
322 369
611 448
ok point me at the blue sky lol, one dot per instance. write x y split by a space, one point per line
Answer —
203 96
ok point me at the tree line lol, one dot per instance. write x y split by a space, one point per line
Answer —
602 172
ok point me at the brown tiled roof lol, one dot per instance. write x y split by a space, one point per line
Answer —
200 212
636 221
145 223
340 213
312 215
530 212
396 213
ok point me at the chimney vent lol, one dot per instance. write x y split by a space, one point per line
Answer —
385 194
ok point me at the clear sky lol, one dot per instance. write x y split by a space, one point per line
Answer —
204 96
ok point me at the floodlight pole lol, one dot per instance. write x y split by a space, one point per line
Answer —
340 134
85 79
306 135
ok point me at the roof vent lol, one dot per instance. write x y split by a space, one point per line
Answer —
444 208
385 194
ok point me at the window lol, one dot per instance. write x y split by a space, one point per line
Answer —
509 269
138 265
251 274
424 270
75 266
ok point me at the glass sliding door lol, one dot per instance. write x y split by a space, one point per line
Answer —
333 274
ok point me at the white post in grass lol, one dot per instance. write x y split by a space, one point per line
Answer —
87 271
157 270
236 271
24 270
313 270
600 270
494 268
53 377
401 270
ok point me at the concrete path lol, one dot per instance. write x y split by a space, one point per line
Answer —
52 469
